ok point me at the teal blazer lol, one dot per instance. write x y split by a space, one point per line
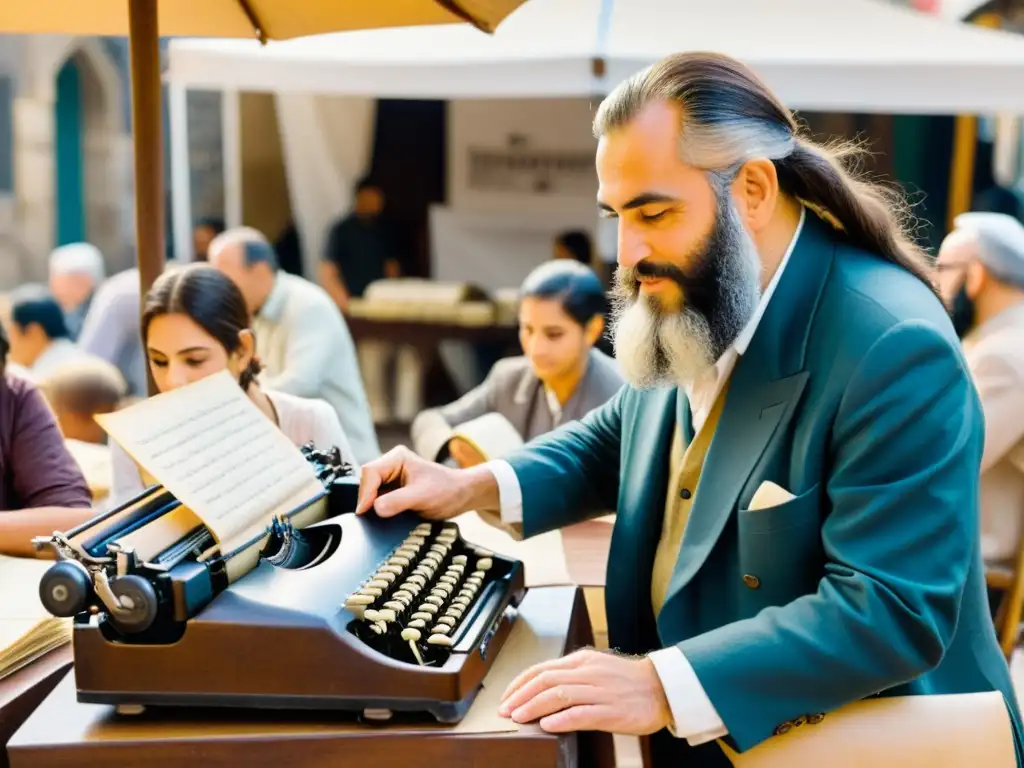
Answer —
854 396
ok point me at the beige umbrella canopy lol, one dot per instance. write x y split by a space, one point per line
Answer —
145 21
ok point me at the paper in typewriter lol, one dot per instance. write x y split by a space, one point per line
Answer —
210 446
27 630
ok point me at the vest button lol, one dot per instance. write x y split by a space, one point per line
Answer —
751 581
685 494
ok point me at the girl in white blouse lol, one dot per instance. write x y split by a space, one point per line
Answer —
195 324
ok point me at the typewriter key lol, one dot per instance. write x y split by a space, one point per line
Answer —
440 549
422 616
396 570
477 574
440 640
447 621
399 560
378 584
372 591
440 629
374 628
440 592
395 605
434 600
412 635
406 551
484 563
381 625
459 560
429 607
417 579
476 581
467 593
415 540
463 601
418 623
382 576
386 614
404 593
371 615
358 601
449 579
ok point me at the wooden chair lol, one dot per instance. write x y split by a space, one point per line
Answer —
1009 580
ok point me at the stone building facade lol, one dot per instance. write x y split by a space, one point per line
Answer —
66 152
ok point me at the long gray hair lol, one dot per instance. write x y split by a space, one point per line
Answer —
730 117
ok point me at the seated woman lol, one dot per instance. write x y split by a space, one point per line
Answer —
195 324
560 378
41 487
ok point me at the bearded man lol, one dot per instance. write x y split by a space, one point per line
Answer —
780 333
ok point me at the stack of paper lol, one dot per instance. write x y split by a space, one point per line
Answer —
27 629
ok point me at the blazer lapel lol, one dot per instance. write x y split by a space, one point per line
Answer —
765 390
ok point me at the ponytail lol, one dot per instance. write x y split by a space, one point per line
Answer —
873 217
252 370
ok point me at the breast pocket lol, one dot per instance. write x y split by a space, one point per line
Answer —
780 550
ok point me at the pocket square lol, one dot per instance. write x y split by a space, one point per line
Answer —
770 495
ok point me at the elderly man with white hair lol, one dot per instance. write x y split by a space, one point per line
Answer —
981 273
301 338
76 271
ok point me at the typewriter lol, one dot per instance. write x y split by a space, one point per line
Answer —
328 610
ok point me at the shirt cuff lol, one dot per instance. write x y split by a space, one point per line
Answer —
510 495
694 716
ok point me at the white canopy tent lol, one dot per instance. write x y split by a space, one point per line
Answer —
826 55
848 55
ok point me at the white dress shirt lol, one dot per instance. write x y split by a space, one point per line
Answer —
694 716
307 350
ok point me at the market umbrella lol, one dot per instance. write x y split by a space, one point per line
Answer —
144 21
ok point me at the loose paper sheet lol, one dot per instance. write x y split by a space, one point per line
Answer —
542 556
211 447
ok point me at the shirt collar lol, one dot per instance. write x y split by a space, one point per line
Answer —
273 307
743 340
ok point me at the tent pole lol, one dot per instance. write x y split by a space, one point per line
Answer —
965 147
144 44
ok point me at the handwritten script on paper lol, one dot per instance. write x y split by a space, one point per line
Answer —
211 447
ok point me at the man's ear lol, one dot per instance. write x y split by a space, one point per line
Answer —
976 277
756 191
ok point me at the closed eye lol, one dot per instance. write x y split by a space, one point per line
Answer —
653 216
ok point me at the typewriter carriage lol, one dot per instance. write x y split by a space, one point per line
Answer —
187 635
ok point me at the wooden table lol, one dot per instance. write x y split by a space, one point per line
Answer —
63 732
427 334
23 691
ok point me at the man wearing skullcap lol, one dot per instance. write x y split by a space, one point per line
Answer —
981 273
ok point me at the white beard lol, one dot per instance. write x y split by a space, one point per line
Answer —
655 348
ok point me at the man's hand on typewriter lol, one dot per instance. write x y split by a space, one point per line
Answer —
400 480
590 691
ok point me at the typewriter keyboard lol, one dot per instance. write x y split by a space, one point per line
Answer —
421 597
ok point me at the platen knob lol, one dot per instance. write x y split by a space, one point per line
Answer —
138 603
66 588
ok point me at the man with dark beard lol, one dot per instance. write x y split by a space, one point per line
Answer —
794 464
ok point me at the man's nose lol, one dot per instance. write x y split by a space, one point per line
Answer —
631 246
